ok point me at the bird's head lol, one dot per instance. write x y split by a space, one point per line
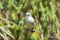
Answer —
28 14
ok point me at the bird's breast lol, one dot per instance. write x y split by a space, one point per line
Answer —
29 25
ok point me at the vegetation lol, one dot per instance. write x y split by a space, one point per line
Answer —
45 12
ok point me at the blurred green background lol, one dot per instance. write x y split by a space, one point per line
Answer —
45 12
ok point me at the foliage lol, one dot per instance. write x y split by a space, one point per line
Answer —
12 13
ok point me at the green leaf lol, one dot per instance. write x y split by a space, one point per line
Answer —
1 6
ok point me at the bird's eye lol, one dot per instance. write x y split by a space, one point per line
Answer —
27 15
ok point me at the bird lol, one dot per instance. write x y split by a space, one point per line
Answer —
29 21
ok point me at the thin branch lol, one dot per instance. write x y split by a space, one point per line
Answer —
7 20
